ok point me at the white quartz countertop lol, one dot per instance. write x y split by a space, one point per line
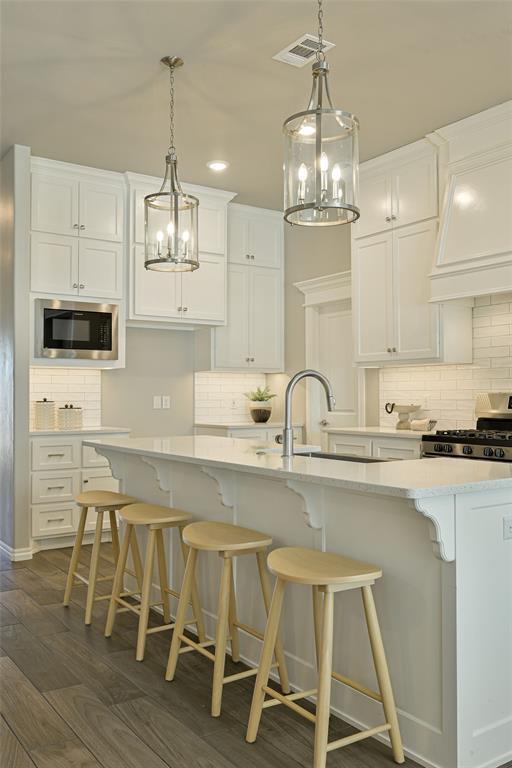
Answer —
380 431
82 431
416 478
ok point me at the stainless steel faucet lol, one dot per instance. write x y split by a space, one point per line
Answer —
288 428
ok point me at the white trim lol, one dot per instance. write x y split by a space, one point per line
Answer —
58 166
140 179
16 555
253 210
326 289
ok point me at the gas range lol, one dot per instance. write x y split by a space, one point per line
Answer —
491 439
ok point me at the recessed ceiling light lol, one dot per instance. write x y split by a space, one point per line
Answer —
217 165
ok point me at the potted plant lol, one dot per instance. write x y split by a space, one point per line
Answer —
260 405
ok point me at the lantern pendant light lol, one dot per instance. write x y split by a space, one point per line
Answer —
321 165
170 215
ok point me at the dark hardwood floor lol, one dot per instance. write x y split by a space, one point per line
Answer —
70 698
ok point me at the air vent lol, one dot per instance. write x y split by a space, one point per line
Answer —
301 51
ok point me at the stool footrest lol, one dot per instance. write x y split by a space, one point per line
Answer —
200 647
242 675
289 702
108 597
290 697
357 686
249 630
160 628
359 736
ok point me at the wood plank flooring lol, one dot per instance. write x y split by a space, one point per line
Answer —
70 698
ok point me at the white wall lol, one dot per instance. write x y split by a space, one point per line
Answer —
448 392
158 362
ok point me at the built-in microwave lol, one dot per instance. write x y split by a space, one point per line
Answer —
73 329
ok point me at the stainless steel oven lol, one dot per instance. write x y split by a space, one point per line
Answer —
76 330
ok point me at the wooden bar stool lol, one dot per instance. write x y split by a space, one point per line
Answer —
229 541
326 573
154 518
101 502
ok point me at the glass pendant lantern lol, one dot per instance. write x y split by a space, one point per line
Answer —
321 165
170 215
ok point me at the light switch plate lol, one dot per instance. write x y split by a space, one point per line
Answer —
157 402
166 401
507 527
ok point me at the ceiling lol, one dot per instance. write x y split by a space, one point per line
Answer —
82 82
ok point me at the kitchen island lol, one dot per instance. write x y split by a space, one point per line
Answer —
437 527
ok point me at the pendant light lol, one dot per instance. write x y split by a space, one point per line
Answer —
321 163
170 215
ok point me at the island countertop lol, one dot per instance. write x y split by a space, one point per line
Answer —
413 479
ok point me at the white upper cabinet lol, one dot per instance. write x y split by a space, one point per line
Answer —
54 204
53 264
101 211
265 319
100 269
203 292
398 189
231 343
255 235
155 294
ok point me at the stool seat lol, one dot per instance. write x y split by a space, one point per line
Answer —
153 514
310 566
103 499
223 537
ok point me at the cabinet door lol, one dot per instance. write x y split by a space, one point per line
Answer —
374 204
265 319
238 236
350 445
266 240
53 263
98 480
100 269
101 211
396 448
416 333
155 294
53 519
211 225
203 292
415 191
54 204
55 453
372 307
232 340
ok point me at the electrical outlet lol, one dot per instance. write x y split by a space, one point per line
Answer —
166 401
507 527
157 402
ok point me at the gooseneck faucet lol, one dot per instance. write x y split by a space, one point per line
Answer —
288 428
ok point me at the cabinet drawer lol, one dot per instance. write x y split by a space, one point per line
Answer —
353 446
55 453
53 520
248 433
396 448
91 458
48 487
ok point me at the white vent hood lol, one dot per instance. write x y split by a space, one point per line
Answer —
474 248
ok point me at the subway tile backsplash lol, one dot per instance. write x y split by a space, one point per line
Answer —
447 392
80 386
220 398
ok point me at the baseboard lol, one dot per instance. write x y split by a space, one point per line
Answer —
61 542
16 555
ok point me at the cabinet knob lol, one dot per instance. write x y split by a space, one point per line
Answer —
82 285
389 349
252 256
82 226
324 423
394 349
388 218
75 226
393 218
185 309
252 359
247 255
247 359
75 285
180 309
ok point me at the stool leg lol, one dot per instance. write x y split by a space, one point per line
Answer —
196 603
279 653
146 594
233 629
115 533
117 586
137 562
162 572
221 635
74 557
93 572
267 652
323 701
317 618
381 668
186 590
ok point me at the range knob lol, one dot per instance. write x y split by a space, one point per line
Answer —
438 448
488 452
467 450
447 448
499 453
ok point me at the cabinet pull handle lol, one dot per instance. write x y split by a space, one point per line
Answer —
82 226
55 520
51 455
85 481
55 487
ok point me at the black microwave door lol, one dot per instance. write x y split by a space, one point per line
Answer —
79 330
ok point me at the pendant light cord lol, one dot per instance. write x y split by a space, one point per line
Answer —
172 148
320 55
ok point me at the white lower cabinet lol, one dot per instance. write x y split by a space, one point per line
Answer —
263 433
375 446
62 467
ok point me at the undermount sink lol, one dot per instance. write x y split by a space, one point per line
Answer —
342 457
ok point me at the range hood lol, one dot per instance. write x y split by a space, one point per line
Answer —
474 247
